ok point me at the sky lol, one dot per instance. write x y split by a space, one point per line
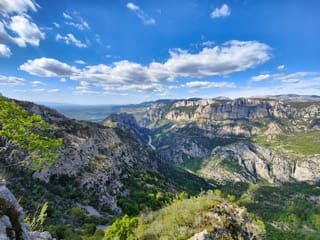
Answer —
119 52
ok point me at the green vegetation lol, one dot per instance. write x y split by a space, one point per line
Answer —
306 143
192 163
188 216
147 190
301 105
184 180
290 211
30 132
37 221
122 229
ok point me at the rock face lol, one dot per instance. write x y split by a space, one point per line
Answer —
221 110
254 162
11 219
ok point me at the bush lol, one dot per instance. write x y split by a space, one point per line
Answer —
122 229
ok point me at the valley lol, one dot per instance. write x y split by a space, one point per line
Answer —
261 154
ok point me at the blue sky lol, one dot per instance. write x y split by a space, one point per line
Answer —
116 52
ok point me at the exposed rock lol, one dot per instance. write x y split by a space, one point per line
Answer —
40 236
201 236
11 219
255 162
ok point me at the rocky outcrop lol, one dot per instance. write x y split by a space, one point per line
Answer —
253 162
11 219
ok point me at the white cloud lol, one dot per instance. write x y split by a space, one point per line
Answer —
4 51
63 80
66 16
208 43
47 67
206 84
11 81
70 39
153 87
79 26
27 31
80 62
281 67
57 25
261 77
146 19
223 11
15 20
37 83
286 78
231 57
54 90
8 7
294 77
75 20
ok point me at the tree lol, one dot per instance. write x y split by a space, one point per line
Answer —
76 213
29 132
122 229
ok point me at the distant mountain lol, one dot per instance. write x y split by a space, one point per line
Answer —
295 98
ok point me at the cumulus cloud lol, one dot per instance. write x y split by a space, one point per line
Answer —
8 7
11 81
63 80
71 39
47 67
146 19
281 67
286 78
4 51
223 11
206 84
231 57
27 31
14 18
